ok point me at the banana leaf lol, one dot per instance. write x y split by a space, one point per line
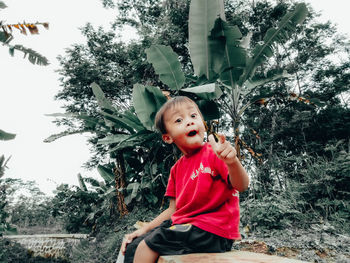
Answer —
166 64
110 192
115 138
258 81
2 5
82 184
33 56
92 181
102 101
206 92
133 188
90 122
209 109
54 137
147 101
106 174
5 136
5 38
205 52
235 56
136 139
124 121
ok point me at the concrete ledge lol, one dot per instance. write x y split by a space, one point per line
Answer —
228 257
47 245
78 236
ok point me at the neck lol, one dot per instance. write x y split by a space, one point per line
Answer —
190 152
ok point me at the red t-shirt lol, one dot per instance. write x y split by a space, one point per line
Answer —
204 198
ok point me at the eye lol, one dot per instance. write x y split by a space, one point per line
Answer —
194 115
178 120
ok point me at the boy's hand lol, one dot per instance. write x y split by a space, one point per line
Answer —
129 238
223 149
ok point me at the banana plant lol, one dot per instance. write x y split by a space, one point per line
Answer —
223 64
106 192
166 64
131 142
4 136
137 145
5 227
222 58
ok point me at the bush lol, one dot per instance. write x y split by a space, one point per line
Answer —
269 212
105 248
73 206
315 192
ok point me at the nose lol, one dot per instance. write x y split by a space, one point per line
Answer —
190 122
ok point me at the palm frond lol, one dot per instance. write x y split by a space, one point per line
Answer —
5 136
2 5
82 184
54 137
3 163
33 56
5 37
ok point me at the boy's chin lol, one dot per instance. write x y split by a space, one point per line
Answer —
195 139
195 144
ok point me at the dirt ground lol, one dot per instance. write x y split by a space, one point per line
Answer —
316 245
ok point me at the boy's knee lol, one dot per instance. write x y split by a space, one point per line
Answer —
145 254
142 246
131 249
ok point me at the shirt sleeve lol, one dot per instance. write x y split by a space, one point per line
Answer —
170 189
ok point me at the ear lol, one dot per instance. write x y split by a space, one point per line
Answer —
167 138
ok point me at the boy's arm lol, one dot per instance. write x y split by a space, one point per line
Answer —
165 215
225 151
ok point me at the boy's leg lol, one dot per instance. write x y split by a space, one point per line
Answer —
131 249
144 254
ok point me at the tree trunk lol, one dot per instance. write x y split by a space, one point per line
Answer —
120 183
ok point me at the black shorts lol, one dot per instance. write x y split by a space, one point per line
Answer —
179 239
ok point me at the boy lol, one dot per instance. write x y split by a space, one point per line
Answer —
202 191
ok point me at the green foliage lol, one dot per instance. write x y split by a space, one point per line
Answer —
316 192
203 50
33 56
280 34
2 5
147 101
73 206
108 240
167 66
220 54
5 226
27 205
5 136
270 212
266 72
322 184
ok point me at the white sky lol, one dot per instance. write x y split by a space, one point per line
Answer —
27 91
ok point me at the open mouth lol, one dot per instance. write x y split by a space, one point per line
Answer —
192 133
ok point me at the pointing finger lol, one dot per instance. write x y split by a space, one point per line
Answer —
212 141
222 138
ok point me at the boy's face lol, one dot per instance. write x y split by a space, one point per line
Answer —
185 127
